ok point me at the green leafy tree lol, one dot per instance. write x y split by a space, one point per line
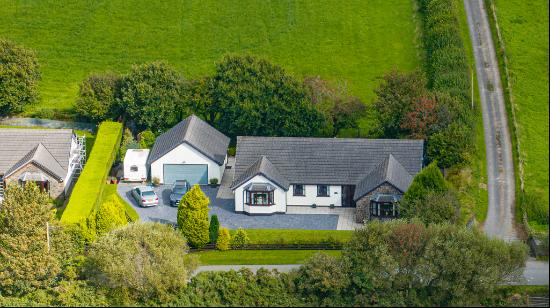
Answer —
151 96
26 263
146 262
109 216
240 239
433 207
396 96
257 98
193 217
450 146
224 239
213 229
429 179
128 142
97 97
340 109
146 139
19 77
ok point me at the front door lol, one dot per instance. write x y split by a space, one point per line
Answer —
347 195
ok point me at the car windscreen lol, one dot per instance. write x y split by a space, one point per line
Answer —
148 194
179 190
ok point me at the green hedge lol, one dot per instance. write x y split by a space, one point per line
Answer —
88 191
282 236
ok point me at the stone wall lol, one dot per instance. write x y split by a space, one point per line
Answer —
56 187
362 211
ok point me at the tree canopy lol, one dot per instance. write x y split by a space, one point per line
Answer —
193 217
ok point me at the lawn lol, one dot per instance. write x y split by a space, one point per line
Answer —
282 236
239 257
352 44
524 27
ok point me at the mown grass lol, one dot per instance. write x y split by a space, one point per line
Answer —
524 28
89 188
240 257
352 43
283 236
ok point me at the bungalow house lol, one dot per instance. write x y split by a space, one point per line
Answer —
48 157
372 175
192 150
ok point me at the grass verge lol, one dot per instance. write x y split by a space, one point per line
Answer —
282 236
241 257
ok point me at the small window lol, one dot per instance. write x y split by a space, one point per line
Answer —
134 168
322 191
299 190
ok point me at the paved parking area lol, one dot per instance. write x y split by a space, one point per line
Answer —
224 208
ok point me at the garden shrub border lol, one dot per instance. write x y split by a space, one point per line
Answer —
88 190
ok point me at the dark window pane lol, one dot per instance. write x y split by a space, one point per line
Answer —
298 190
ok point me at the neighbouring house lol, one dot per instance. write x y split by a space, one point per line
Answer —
372 175
192 150
48 157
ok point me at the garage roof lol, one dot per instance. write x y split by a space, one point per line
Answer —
198 134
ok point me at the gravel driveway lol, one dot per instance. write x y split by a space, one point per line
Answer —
224 208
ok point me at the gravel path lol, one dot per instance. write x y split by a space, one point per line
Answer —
500 168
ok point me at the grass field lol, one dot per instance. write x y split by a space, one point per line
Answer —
239 257
524 27
281 236
353 43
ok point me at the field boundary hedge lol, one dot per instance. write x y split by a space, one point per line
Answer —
89 188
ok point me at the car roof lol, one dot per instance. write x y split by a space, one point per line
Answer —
145 188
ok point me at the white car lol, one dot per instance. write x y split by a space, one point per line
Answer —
145 196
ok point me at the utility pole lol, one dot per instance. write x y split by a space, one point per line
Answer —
48 235
472 86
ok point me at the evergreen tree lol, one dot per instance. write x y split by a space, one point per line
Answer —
193 217
213 229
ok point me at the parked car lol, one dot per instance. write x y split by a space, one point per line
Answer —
180 188
145 196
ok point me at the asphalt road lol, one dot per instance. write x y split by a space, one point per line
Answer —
498 146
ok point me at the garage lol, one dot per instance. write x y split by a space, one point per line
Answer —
194 174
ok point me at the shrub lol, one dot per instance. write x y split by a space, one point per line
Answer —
109 216
451 145
19 76
231 151
128 142
193 217
239 239
534 207
146 139
144 261
223 239
213 181
433 207
88 191
429 179
213 229
156 181
97 97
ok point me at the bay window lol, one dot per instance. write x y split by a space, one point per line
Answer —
259 194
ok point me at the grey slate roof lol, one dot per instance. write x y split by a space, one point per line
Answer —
20 145
336 161
388 171
41 157
262 167
195 132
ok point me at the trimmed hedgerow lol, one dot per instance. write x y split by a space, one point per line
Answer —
88 191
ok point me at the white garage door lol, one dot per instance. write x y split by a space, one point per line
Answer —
194 174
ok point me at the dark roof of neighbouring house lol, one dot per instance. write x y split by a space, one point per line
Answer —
265 168
389 171
50 149
336 161
198 134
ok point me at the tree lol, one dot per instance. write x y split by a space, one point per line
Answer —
213 229
339 108
433 207
450 146
258 98
109 216
26 263
395 98
224 238
147 262
429 179
193 217
128 142
419 121
146 139
19 77
409 264
240 239
151 96
97 97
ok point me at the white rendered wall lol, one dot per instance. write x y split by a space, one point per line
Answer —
186 154
279 197
335 196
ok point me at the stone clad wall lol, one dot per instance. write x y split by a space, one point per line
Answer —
362 211
56 187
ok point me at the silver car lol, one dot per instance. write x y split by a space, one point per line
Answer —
145 196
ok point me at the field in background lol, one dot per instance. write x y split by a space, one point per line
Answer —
353 43
524 27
